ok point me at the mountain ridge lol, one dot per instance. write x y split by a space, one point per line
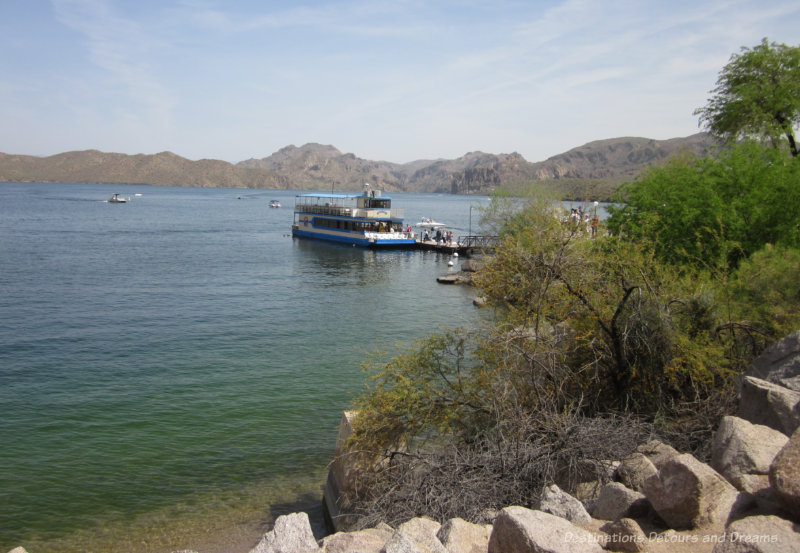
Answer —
596 167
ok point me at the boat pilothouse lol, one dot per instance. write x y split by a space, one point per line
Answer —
366 220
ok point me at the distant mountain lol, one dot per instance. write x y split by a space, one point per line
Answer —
595 169
620 158
164 168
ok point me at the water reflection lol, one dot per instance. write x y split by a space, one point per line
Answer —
338 265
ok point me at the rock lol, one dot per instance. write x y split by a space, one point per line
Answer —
291 534
763 402
422 532
453 278
626 535
634 470
471 266
521 530
751 483
758 487
658 452
689 494
561 504
587 492
371 540
784 476
340 478
617 501
760 534
780 363
399 543
459 536
741 447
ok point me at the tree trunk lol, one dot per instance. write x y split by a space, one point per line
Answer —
792 143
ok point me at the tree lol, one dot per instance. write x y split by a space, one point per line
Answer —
597 346
757 94
713 212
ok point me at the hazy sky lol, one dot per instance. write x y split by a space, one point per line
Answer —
392 80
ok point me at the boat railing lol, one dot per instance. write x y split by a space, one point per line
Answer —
478 241
325 209
344 211
388 235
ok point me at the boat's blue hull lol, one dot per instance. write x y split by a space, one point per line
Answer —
356 240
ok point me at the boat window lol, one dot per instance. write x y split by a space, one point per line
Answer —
377 203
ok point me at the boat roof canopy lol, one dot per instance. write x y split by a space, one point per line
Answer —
340 196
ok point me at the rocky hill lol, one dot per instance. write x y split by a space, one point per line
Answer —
598 167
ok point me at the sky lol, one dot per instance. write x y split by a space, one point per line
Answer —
390 80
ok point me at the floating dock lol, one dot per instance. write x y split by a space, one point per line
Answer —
442 247
464 246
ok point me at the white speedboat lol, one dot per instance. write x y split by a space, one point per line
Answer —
116 199
274 203
429 224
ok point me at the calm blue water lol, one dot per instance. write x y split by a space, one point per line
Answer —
173 369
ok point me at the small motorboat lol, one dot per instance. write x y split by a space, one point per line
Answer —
274 203
430 224
116 199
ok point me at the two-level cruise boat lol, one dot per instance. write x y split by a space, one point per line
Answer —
362 220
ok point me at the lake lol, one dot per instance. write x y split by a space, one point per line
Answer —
173 369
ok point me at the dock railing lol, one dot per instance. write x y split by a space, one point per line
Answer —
477 241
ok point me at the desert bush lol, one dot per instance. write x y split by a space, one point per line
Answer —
508 464
598 345
764 295
713 212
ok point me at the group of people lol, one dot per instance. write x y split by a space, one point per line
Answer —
440 237
580 221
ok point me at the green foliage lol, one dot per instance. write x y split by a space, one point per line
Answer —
652 321
765 292
599 324
711 213
430 387
757 95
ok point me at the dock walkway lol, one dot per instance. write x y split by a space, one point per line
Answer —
465 245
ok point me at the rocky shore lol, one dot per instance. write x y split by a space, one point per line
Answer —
658 500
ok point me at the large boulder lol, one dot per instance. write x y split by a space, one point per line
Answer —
658 452
635 469
521 530
400 543
780 363
459 536
291 534
617 501
758 487
689 494
784 476
371 540
741 447
422 532
559 503
625 535
762 402
759 534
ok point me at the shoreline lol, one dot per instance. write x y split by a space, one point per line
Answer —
225 521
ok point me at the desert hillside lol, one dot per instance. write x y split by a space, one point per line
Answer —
595 169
